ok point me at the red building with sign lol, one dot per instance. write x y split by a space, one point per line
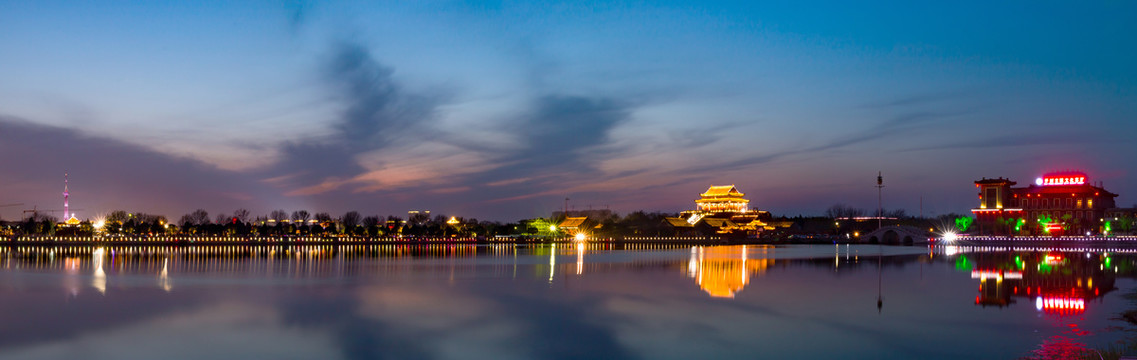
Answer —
1056 204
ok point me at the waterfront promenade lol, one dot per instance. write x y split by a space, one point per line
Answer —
1124 239
349 240
337 240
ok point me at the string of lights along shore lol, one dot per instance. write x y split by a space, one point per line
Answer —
1064 205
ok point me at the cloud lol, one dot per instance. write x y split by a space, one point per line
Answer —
894 127
562 140
1050 140
377 113
109 174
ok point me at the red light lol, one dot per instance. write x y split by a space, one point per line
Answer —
1062 303
1063 180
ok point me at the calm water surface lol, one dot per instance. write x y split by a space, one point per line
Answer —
563 301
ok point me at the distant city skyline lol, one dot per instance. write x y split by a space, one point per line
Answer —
501 110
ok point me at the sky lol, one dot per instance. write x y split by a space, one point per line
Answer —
502 110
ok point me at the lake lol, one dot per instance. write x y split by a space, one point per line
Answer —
563 301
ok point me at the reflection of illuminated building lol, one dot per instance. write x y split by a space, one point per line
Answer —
1055 282
722 271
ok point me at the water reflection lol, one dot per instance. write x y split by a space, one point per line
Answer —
722 271
97 266
571 300
1061 283
99 281
1054 280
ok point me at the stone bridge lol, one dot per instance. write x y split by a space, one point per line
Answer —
898 234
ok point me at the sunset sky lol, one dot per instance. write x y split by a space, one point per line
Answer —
501 110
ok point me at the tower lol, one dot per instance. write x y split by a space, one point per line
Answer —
66 207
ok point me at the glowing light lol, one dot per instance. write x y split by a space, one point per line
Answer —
1061 304
1061 180
950 236
580 237
1038 181
997 274
1053 259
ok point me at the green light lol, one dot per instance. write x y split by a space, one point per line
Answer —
962 264
963 223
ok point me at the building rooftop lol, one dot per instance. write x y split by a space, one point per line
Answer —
722 190
572 222
1065 189
678 222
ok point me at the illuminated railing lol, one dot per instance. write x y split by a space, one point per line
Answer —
1125 238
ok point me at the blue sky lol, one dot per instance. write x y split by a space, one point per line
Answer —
500 110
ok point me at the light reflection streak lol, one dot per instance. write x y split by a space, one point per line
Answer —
164 276
552 262
455 261
579 258
100 279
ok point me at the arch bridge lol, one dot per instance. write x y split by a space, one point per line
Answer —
899 234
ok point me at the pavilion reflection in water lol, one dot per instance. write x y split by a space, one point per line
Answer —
723 271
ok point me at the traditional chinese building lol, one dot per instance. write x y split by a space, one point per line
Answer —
724 210
578 225
1056 204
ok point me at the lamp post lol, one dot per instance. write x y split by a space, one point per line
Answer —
879 199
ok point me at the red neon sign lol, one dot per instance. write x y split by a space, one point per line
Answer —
1060 304
1062 180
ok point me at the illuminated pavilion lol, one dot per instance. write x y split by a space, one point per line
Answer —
725 198
725 209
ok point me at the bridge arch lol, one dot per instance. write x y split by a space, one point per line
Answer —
898 235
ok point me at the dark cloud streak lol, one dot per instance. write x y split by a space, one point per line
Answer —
378 112
109 174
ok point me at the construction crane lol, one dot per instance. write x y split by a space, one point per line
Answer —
35 211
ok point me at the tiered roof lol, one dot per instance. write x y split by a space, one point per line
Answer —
722 190
678 222
572 222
